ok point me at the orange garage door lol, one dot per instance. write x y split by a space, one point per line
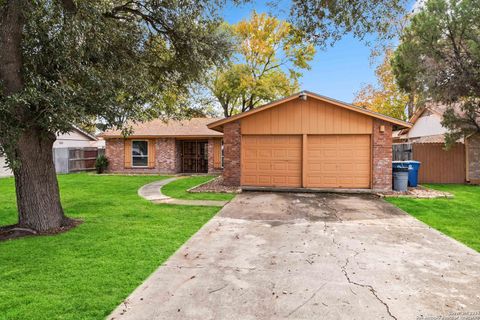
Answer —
272 161
338 161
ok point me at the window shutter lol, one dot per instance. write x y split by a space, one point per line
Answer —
217 153
128 153
151 153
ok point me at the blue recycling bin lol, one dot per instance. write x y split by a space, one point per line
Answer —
413 167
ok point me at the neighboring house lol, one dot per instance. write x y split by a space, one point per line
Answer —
165 147
4 170
311 141
426 142
77 138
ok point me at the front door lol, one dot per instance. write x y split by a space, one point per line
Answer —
194 156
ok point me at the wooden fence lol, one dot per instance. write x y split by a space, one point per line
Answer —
402 152
82 159
437 164
75 159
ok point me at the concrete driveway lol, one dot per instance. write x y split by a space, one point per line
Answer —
311 256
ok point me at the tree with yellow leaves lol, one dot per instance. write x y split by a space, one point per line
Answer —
386 97
265 65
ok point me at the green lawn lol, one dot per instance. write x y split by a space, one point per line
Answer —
178 189
458 218
86 272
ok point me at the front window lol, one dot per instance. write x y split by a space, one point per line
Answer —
139 153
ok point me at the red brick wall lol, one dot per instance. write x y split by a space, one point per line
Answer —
231 151
165 154
115 154
382 156
473 154
178 155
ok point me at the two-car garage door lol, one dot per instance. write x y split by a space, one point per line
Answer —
313 161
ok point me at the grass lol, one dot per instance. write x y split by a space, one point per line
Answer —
86 272
458 218
178 189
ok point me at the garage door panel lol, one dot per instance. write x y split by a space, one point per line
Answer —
250 153
251 165
277 161
338 161
264 180
264 154
294 166
279 165
250 179
279 180
263 166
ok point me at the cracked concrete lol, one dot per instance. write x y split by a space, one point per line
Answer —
310 256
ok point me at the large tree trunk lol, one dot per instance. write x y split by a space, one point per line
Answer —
38 197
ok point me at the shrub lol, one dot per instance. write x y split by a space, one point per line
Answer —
101 163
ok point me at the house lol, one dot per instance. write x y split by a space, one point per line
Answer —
304 140
158 146
310 141
426 142
76 138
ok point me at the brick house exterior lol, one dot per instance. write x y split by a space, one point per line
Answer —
302 141
165 147
167 157
275 141
382 155
232 141
472 146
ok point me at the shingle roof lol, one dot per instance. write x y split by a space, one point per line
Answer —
194 127
437 108
437 138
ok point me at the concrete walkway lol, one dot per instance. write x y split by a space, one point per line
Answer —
153 192
311 256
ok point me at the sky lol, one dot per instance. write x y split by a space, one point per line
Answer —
337 72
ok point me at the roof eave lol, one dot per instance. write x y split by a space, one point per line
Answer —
143 136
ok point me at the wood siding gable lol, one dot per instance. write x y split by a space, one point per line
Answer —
307 117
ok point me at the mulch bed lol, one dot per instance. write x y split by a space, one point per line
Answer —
15 231
215 185
419 192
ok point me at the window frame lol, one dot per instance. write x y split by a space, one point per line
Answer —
132 156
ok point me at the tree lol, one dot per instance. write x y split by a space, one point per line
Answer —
325 22
265 65
439 59
386 97
68 62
